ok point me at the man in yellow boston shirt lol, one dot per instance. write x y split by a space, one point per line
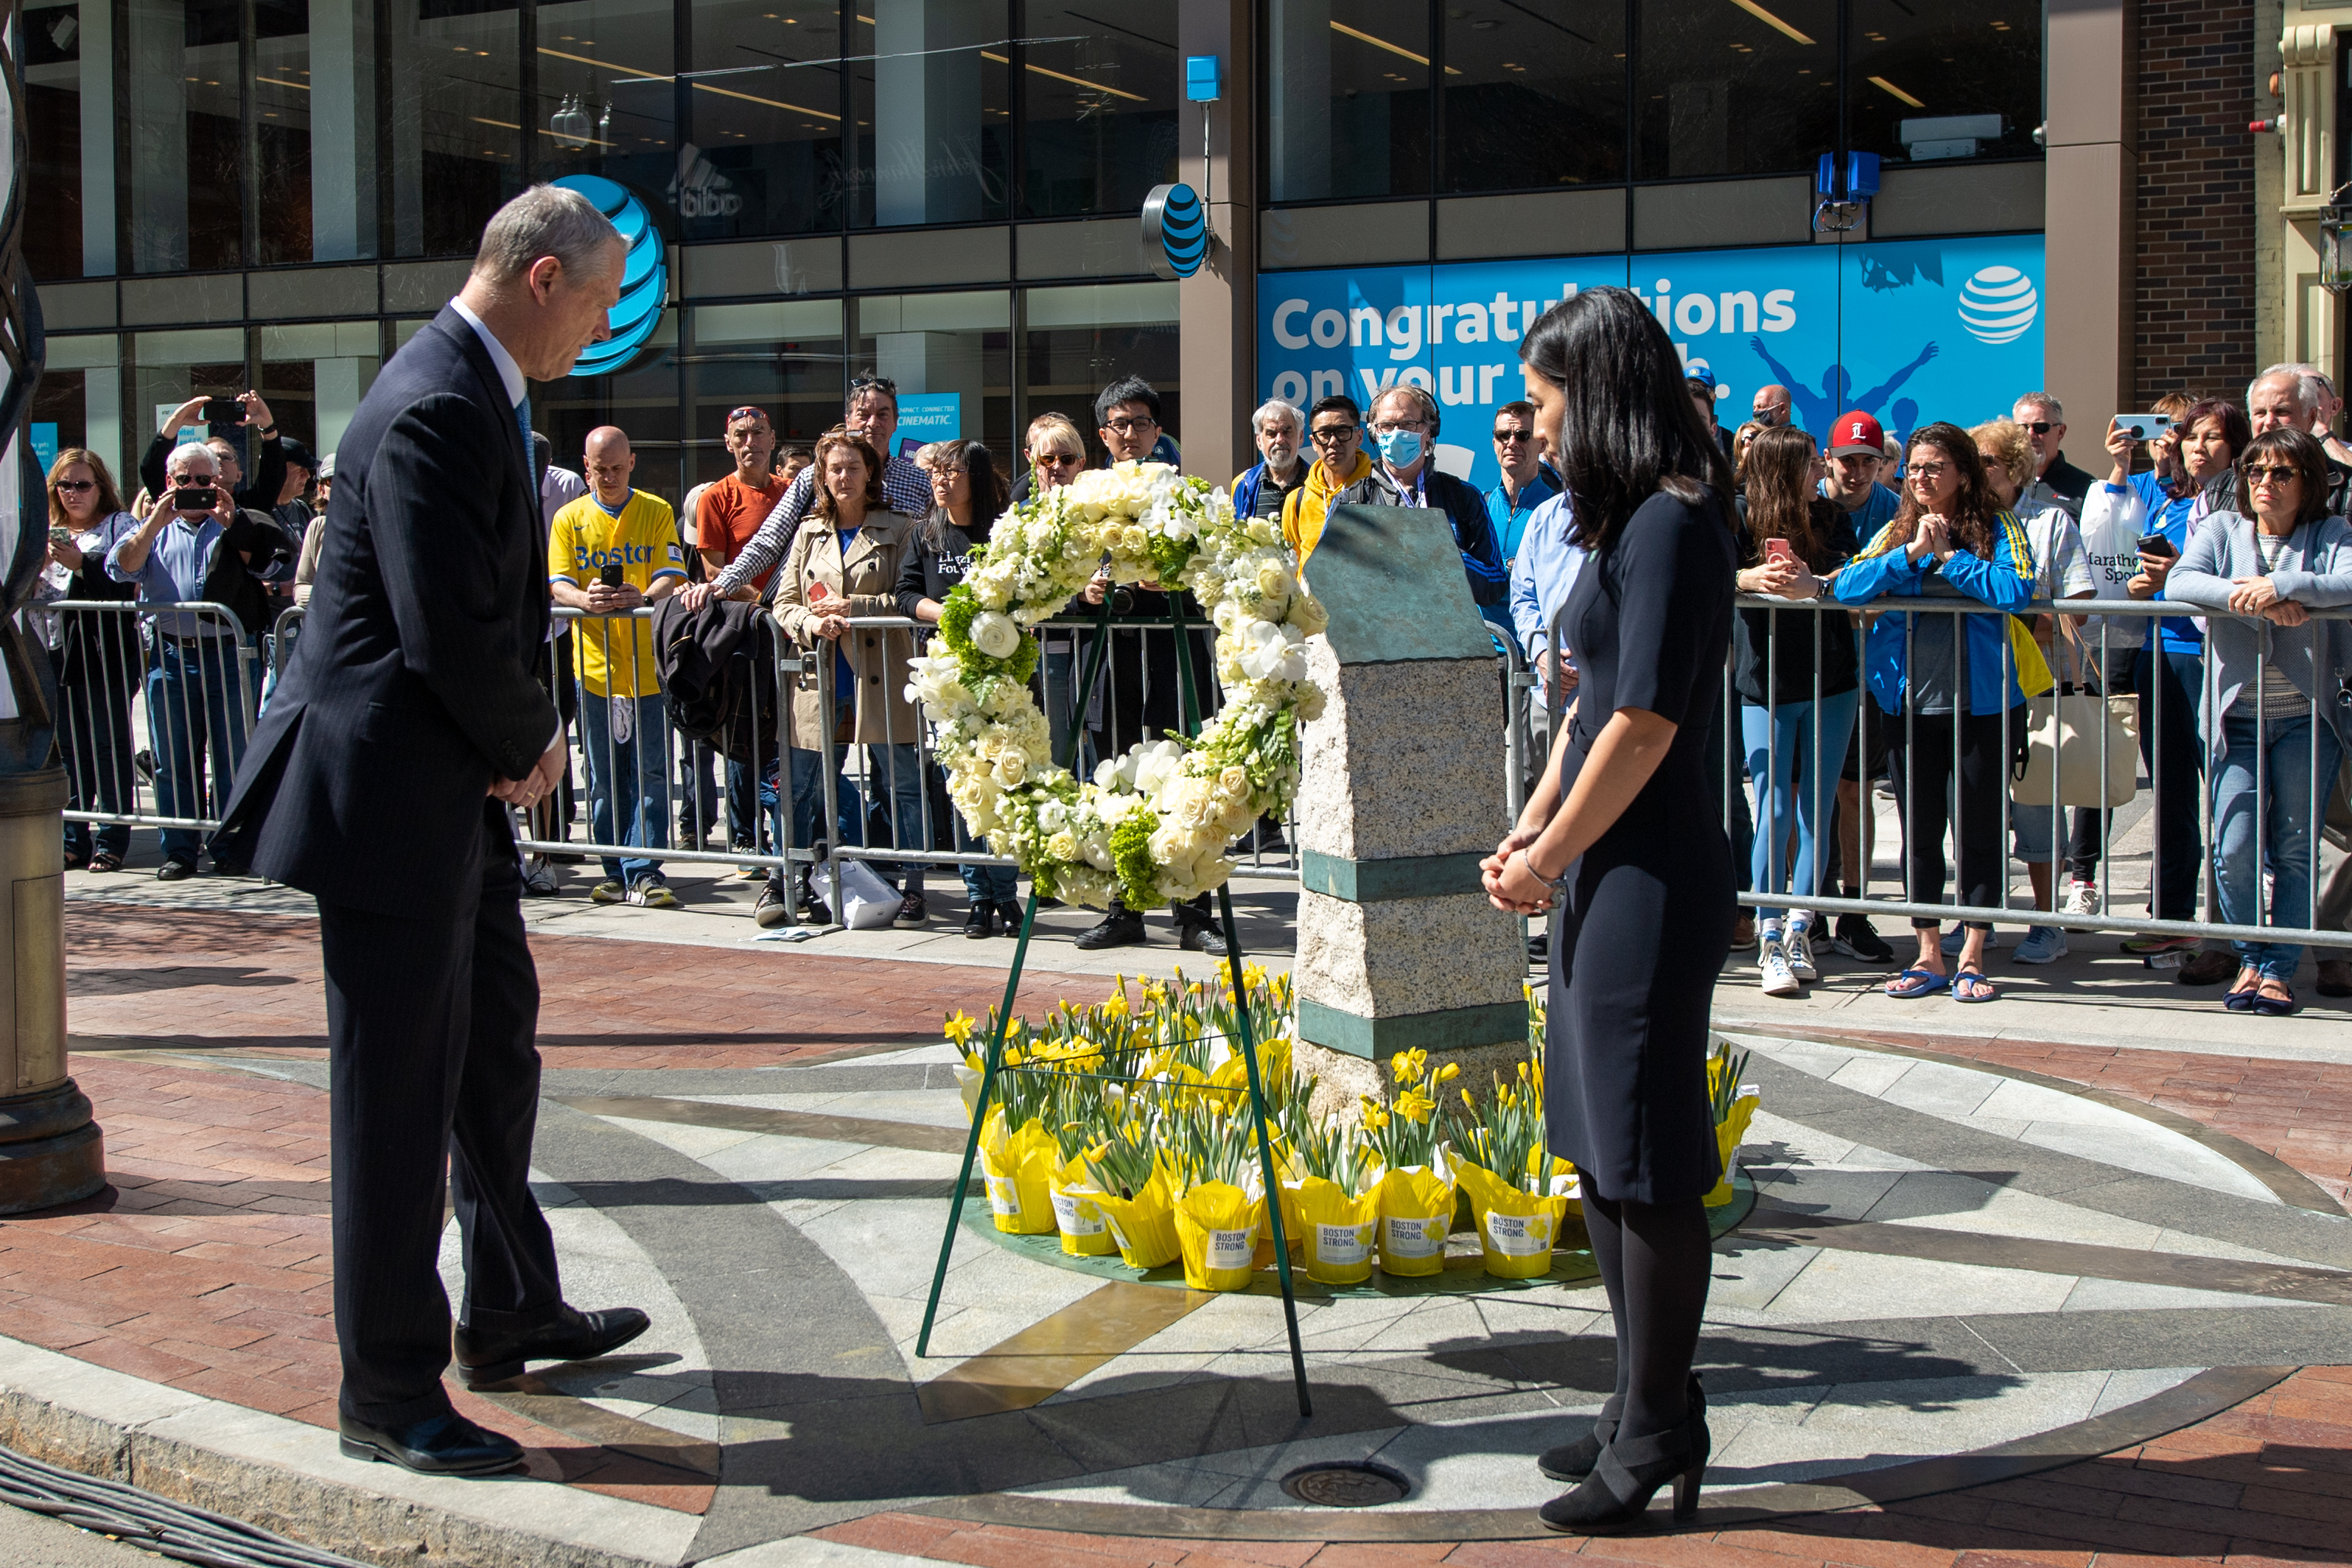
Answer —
608 552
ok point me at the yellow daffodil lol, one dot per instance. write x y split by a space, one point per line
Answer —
1409 1066
1448 1073
959 1026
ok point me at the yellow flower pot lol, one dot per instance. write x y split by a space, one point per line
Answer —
1018 1170
1516 1228
1339 1233
1143 1227
1416 1209
1076 1212
1216 1227
1727 1134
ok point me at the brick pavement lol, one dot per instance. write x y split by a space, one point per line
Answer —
205 1266
252 980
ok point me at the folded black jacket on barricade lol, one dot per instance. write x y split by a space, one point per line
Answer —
249 546
718 675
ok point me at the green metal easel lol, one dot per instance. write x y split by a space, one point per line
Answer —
994 1063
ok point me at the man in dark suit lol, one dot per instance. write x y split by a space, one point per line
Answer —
408 722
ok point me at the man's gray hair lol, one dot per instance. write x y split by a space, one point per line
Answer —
545 220
187 450
2306 393
1276 408
1421 398
2052 409
2318 386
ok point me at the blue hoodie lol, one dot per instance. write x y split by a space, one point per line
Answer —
2005 582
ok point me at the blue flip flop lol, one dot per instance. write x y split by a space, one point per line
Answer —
1934 983
1978 976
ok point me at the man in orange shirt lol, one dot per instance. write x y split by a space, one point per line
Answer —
725 517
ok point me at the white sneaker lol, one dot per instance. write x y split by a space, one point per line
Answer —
2081 899
2043 944
1799 946
1779 980
537 878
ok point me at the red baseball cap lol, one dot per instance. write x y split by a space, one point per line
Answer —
1855 435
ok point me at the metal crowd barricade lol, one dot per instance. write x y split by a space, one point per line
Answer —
2087 661
156 703
894 810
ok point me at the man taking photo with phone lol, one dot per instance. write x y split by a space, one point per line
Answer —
199 694
609 552
246 411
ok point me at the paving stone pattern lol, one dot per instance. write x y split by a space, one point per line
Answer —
207 1267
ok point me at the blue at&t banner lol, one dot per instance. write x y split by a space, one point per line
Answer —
1908 331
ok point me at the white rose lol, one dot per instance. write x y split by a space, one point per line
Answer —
995 635
1063 845
1011 767
1271 580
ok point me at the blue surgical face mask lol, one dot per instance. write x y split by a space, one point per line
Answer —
1400 449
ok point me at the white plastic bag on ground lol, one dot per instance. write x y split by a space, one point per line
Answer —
865 900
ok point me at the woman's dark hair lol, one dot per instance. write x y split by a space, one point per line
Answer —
2235 431
2295 447
1974 511
979 466
873 462
1630 429
1778 484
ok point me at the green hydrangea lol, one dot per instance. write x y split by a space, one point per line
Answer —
1130 857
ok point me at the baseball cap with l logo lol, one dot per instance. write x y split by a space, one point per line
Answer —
1856 435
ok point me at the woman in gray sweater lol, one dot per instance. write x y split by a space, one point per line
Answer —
2275 709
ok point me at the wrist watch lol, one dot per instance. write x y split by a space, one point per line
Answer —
267 431
1557 884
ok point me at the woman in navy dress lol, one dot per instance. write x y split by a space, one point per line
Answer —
1622 844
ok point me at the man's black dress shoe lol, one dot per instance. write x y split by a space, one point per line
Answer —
446 1444
570 1335
1200 936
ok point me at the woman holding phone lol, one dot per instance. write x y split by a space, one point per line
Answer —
1799 685
1621 842
2204 441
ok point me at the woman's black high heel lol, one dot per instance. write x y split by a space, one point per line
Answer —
1571 1462
1615 1497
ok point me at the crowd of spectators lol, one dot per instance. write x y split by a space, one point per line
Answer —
1847 675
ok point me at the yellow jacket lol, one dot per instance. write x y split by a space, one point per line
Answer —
1303 513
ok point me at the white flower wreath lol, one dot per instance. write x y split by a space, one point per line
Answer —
1152 826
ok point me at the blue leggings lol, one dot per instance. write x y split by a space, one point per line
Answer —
1781 741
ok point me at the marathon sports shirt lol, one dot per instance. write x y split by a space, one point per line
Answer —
643 539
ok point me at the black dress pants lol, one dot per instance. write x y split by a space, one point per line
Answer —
430 1027
1923 757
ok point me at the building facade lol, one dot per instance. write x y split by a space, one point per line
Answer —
276 194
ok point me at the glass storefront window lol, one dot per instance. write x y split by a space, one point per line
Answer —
782 357
1098 105
169 368
1535 95
70 112
314 117
939 152
81 399
313 375
1076 341
951 355
642 400
607 100
766 151
1939 84
187 208
1349 99
1735 87
455 115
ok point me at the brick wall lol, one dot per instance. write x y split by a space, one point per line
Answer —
2195 221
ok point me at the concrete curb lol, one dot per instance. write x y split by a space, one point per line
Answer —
289 1477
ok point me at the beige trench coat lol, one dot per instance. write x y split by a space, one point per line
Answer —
869 579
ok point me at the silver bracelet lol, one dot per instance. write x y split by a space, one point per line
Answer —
1557 884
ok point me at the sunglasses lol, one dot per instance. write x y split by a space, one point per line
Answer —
2273 476
747 413
1057 459
2041 426
1506 438
75 487
873 383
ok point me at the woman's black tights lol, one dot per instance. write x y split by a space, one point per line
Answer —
1656 1262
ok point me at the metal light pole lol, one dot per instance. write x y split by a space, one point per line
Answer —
50 1150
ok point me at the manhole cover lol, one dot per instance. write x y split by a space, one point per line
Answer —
1346 1485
